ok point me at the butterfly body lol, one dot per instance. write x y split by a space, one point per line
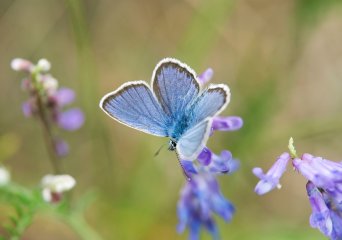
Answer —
172 145
174 106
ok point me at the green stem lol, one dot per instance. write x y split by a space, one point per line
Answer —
23 222
46 126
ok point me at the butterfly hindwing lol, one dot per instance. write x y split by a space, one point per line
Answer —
193 140
175 86
210 102
134 105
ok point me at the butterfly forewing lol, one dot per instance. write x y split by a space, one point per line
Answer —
175 87
134 105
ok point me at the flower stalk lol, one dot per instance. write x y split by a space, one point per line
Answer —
48 135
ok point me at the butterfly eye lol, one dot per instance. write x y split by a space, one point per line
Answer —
172 145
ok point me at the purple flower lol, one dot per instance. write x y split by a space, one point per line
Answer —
270 180
325 215
223 163
28 108
200 199
335 215
324 188
325 174
61 148
336 219
320 217
209 162
205 77
189 167
231 123
71 119
64 96
205 156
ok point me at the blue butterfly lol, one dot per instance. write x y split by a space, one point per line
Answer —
173 106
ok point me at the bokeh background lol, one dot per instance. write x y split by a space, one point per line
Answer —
281 59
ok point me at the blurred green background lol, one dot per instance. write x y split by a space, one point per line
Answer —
281 59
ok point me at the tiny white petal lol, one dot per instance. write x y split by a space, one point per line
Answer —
279 186
16 63
44 65
58 183
50 84
46 194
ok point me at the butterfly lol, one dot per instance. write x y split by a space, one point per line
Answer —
173 106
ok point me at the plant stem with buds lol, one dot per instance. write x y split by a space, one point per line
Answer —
47 131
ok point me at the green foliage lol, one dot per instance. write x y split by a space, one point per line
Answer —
26 203
309 12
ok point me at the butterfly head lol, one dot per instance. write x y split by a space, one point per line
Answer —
172 145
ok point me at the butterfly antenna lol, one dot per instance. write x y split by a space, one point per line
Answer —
184 172
158 151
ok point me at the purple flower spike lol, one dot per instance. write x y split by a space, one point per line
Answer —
71 119
205 77
270 180
320 217
231 123
200 199
64 96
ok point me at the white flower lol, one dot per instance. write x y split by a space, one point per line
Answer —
19 64
50 84
44 65
55 185
5 176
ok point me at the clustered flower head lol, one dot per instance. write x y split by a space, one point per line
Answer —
46 100
324 188
201 197
55 185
